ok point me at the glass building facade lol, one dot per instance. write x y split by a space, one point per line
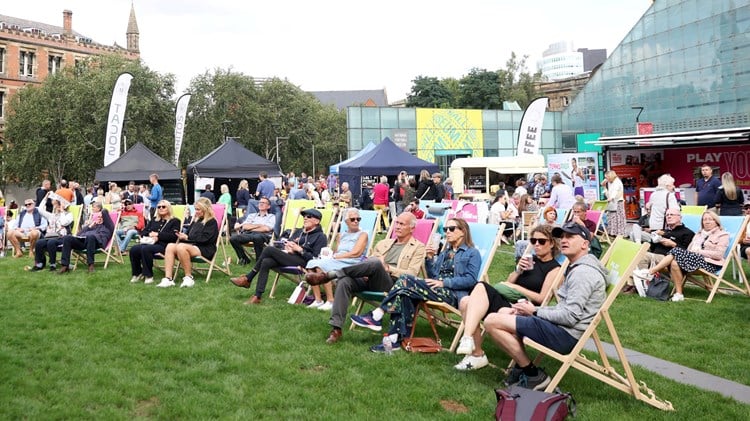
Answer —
686 62
439 135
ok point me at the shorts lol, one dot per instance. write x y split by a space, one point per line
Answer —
496 300
545 333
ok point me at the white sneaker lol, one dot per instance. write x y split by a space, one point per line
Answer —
165 283
149 281
471 362
466 346
678 297
327 306
316 304
187 282
136 279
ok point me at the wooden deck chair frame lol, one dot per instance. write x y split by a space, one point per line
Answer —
5 229
528 220
716 282
221 247
80 255
623 256
446 313
375 297
330 219
604 235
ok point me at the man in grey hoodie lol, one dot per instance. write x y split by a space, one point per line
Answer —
557 327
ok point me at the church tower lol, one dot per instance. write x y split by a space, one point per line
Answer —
133 35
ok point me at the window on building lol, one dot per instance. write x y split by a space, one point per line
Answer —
2 102
26 63
54 64
565 101
2 59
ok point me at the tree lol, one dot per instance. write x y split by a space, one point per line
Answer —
429 92
480 90
59 127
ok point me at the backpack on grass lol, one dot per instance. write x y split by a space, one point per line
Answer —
518 403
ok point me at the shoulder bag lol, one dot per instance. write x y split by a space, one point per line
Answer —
423 345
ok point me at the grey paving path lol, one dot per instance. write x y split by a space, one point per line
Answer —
680 373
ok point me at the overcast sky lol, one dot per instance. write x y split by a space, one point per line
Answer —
342 45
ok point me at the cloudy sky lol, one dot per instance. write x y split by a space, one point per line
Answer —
340 45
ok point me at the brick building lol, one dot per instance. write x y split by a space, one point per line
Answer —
30 51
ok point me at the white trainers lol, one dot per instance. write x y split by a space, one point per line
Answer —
316 304
678 297
327 306
471 362
136 279
466 346
187 282
165 283
149 281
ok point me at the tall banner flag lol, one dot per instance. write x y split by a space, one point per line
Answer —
179 125
530 132
116 118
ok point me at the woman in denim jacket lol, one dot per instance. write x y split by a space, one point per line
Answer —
451 276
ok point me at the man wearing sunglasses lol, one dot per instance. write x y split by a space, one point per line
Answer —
31 226
676 234
557 327
256 228
392 257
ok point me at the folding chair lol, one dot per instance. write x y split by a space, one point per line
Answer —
370 220
562 216
621 259
293 273
715 282
107 249
596 217
5 229
692 210
200 263
528 221
486 239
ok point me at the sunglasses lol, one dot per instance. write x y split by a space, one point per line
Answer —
161 207
357 219
28 204
309 217
541 241
452 228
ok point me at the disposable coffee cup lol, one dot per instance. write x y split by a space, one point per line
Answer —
326 253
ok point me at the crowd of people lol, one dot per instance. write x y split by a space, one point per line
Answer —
511 309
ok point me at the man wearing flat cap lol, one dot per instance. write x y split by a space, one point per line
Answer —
557 327
303 245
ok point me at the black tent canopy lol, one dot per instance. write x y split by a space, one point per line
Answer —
385 159
138 163
232 160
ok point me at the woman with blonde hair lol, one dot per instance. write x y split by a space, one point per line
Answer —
243 195
615 203
706 251
226 199
160 231
729 197
199 241
661 199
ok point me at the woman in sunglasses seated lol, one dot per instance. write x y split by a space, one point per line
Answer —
351 246
162 231
530 281
451 275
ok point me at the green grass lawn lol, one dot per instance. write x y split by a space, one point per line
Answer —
95 346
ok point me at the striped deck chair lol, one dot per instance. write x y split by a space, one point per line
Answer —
621 258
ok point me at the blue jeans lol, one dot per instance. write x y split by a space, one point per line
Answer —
124 238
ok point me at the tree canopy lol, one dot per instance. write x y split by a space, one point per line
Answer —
479 89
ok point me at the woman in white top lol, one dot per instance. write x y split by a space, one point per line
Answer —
661 199
615 203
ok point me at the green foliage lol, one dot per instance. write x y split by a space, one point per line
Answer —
480 89
430 92
59 126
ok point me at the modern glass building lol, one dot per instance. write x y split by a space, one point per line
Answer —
441 135
686 62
